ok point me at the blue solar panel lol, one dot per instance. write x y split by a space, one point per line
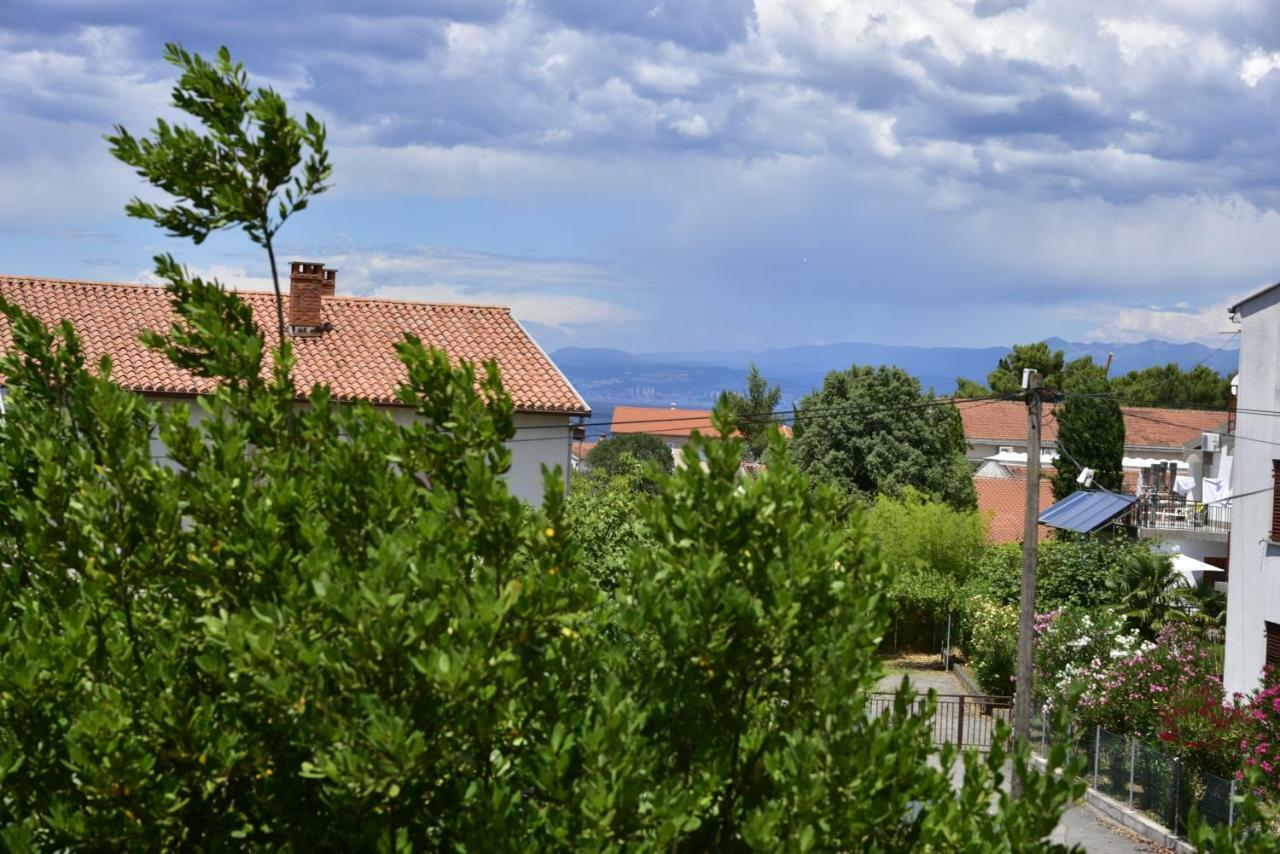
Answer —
1085 511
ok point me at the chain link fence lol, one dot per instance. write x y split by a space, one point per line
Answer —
1148 779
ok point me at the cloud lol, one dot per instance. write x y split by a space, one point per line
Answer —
987 152
1120 323
556 293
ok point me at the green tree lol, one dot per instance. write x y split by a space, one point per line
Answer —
1085 376
1168 385
246 170
753 413
1006 377
618 455
873 430
321 624
931 550
966 388
1090 435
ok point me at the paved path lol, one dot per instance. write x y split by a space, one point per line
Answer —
1081 824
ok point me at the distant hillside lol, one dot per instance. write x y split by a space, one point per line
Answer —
607 377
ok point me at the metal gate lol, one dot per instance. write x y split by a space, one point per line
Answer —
965 720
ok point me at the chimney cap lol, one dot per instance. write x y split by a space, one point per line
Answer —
306 268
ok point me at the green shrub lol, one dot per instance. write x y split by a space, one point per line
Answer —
992 644
322 628
1072 571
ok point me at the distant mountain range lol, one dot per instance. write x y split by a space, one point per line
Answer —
694 379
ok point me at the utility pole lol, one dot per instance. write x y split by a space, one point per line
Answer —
1030 541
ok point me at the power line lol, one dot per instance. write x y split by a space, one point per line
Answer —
775 417
1184 426
1063 449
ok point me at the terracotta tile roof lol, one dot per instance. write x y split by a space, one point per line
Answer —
676 423
356 358
1005 421
1004 499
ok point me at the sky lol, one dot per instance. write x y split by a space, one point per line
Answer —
689 174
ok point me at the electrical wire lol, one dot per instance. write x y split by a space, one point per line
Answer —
1063 450
776 417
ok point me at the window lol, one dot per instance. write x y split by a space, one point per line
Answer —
1273 644
1275 501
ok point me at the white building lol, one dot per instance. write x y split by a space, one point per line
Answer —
1253 594
344 342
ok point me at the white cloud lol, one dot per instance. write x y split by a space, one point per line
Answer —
1258 65
694 127
232 276
1120 323
557 311
553 292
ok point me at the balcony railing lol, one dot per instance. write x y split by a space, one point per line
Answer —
1173 512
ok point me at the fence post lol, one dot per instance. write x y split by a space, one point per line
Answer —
1177 791
1231 805
960 724
1133 762
1097 749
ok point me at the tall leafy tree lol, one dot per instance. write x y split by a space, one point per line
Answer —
874 430
1006 377
1168 385
1090 433
251 167
970 388
753 412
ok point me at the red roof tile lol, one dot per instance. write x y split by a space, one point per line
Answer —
1006 421
677 423
356 358
1004 500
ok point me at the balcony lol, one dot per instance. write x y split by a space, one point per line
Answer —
1158 512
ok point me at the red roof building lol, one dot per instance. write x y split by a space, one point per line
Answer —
354 353
668 423
1003 500
344 342
1004 422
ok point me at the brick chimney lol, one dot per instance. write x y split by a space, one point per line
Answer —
306 287
330 282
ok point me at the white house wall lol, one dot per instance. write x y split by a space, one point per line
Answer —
1253 592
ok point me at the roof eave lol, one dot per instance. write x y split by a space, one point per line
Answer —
1235 309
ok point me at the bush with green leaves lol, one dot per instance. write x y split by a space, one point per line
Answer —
606 513
321 628
325 625
1075 571
992 645
617 455
931 549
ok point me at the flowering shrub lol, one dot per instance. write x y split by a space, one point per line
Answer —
1260 743
1169 690
1078 645
993 643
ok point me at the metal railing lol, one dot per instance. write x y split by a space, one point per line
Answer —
1173 512
967 721
1146 778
